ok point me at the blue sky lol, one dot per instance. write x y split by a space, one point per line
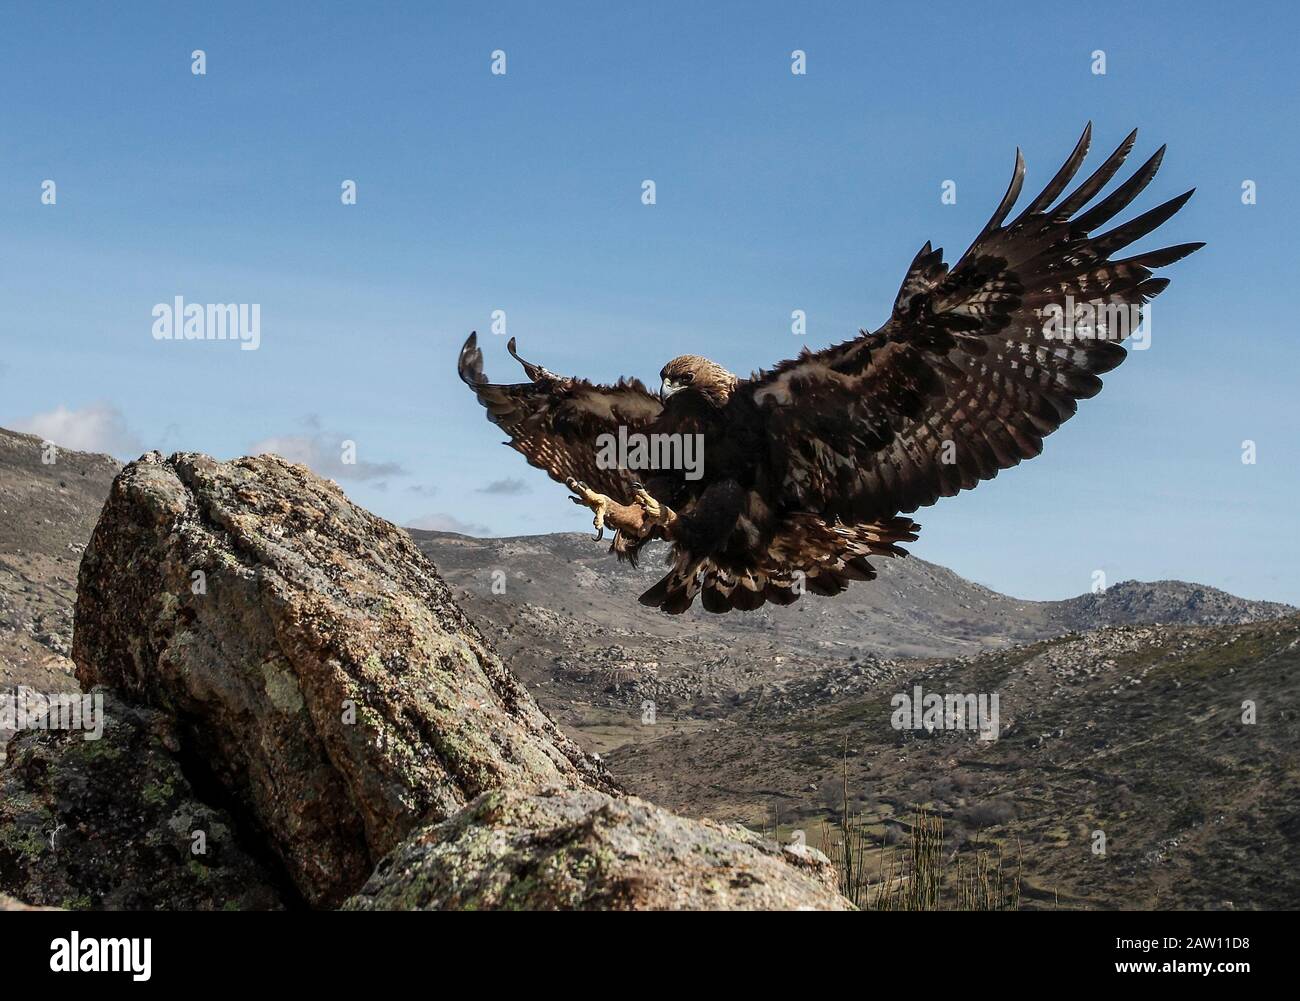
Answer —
521 192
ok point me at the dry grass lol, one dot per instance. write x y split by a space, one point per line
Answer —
919 877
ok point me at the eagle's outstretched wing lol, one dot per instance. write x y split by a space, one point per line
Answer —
969 374
554 421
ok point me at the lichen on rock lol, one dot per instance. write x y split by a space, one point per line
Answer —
311 653
291 687
114 823
584 850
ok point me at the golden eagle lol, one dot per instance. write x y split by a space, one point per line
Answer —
804 471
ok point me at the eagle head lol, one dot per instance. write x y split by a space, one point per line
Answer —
693 374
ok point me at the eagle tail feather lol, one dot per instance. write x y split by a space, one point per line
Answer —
837 554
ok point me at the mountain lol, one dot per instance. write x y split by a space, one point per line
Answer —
914 608
1170 602
564 614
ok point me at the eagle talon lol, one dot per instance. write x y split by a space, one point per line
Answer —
659 514
587 497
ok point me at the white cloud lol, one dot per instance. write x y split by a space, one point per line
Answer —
447 523
99 427
323 452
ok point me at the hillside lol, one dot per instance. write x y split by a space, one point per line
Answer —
47 513
1134 731
570 624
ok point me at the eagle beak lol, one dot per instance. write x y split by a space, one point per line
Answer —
666 389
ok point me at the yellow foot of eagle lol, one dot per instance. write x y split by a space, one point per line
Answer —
653 512
599 503
635 521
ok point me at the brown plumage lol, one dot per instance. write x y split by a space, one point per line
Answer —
811 467
707 378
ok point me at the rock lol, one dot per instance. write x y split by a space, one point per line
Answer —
584 850
111 823
10 904
314 660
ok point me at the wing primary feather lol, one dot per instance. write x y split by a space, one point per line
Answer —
1161 258
1140 226
1063 177
1084 193
1004 206
1121 196
535 372
470 364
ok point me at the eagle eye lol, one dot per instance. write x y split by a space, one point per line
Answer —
687 378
